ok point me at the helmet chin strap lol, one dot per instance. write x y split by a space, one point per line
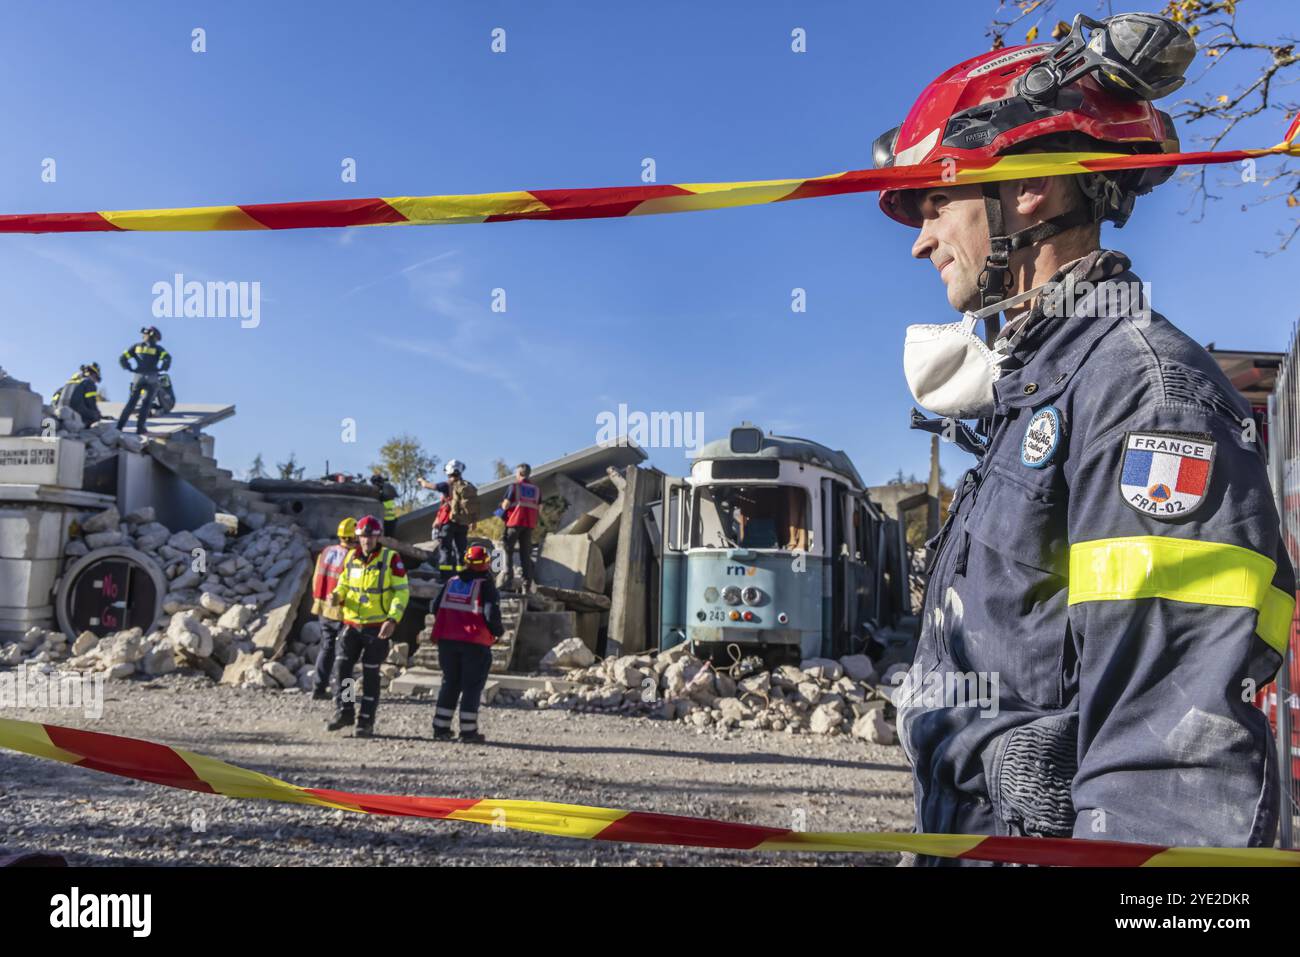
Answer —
995 280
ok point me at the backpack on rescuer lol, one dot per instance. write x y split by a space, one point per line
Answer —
464 503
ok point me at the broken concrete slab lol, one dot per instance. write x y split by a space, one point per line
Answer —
538 633
605 532
579 500
586 521
571 561
283 610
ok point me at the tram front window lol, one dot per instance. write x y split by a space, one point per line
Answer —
751 516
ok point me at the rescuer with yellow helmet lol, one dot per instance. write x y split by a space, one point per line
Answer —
329 566
81 394
372 593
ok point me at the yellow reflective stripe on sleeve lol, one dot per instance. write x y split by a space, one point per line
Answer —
1180 569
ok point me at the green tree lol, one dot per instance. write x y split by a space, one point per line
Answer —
405 461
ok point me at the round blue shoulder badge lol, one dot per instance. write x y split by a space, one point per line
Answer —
1042 437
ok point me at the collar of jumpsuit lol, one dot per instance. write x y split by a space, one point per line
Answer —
1055 346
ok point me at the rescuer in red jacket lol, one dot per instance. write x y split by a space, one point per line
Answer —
520 510
467 623
329 566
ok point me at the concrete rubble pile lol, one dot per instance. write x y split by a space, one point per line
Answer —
228 610
820 696
103 439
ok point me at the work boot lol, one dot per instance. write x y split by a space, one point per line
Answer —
471 737
341 719
365 729
442 734
320 694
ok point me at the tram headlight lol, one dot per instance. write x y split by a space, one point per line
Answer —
783 618
731 595
733 615
751 595
710 594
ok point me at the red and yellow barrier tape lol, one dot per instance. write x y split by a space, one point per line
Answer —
174 767
603 202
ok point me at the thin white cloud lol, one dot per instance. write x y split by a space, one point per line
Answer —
407 270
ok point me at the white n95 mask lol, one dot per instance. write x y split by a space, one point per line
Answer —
949 368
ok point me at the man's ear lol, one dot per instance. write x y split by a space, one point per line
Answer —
1032 196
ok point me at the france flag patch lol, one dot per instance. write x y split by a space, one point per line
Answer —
1166 474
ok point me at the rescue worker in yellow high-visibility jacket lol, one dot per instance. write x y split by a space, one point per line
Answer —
372 592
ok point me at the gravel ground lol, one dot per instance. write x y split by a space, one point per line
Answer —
608 760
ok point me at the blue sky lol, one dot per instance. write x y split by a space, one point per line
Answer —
393 327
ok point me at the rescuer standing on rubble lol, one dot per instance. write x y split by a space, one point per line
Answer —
1114 557
151 360
467 624
520 510
372 592
81 394
461 500
329 566
388 498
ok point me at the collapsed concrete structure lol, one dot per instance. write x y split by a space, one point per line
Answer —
128 556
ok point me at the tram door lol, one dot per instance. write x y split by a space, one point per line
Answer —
674 538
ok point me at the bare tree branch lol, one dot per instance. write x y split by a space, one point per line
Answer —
1212 116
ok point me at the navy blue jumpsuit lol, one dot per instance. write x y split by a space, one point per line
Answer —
1109 590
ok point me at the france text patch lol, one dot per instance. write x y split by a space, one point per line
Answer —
1166 474
1042 438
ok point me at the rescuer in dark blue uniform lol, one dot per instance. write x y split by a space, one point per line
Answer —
1110 588
150 359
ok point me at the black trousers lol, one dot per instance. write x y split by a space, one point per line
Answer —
523 537
365 644
143 390
329 630
453 539
465 667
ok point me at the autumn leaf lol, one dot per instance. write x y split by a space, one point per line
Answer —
1031 35
1222 99
1061 29
1292 201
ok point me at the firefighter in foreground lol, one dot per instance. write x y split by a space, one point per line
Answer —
151 360
467 624
372 592
451 528
1114 557
329 567
81 394
520 510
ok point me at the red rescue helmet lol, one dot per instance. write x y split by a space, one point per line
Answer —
477 558
369 526
1083 94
